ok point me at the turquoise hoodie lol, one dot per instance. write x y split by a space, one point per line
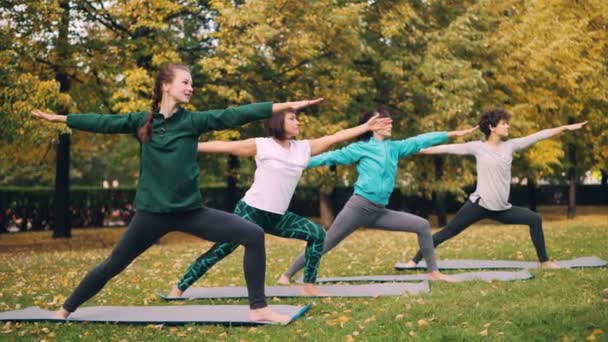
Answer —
377 162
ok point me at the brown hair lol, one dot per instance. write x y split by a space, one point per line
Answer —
165 75
275 126
368 115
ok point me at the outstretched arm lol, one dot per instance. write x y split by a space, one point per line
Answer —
466 148
236 116
321 145
241 148
521 143
462 132
419 142
461 149
294 105
98 123
49 116
344 156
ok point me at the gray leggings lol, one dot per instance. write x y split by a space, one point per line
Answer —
205 223
360 212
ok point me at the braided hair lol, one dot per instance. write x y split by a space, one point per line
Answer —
165 75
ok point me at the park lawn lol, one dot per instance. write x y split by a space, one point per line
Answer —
567 305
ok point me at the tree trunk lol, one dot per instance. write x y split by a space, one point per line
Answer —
232 182
572 181
325 209
63 226
604 188
326 201
439 197
531 194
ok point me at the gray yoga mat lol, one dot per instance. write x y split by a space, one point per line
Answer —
592 261
167 314
460 277
365 290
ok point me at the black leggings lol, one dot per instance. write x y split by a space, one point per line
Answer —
205 223
473 212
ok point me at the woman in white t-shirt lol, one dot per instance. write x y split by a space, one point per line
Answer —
280 160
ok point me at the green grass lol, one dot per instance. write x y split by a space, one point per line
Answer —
555 305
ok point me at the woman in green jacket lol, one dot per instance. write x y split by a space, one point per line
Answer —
168 197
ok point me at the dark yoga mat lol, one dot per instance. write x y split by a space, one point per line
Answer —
365 290
485 276
167 314
592 261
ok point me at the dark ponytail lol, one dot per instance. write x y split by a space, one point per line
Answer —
165 75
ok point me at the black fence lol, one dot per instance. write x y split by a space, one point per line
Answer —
32 209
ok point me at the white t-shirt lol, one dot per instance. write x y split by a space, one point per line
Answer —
277 174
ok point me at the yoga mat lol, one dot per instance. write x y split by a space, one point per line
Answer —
167 314
592 261
460 277
365 290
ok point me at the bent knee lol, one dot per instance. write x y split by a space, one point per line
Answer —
320 233
253 235
316 234
537 220
424 227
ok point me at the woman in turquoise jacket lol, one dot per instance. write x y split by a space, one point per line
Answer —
377 158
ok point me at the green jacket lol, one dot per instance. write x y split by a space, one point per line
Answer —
169 171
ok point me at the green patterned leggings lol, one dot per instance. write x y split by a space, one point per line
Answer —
288 225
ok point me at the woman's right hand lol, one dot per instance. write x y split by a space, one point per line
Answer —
462 132
49 116
575 126
376 123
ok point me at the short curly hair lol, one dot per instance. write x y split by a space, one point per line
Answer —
491 118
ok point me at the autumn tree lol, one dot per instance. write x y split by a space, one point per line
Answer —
552 71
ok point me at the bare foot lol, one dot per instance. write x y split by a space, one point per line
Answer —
283 280
61 314
175 292
410 264
550 265
438 276
309 289
266 314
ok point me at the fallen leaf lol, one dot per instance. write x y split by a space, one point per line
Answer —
370 319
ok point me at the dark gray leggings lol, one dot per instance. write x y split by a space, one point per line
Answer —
473 212
205 223
360 212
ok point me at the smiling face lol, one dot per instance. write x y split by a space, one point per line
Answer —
291 126
180 87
